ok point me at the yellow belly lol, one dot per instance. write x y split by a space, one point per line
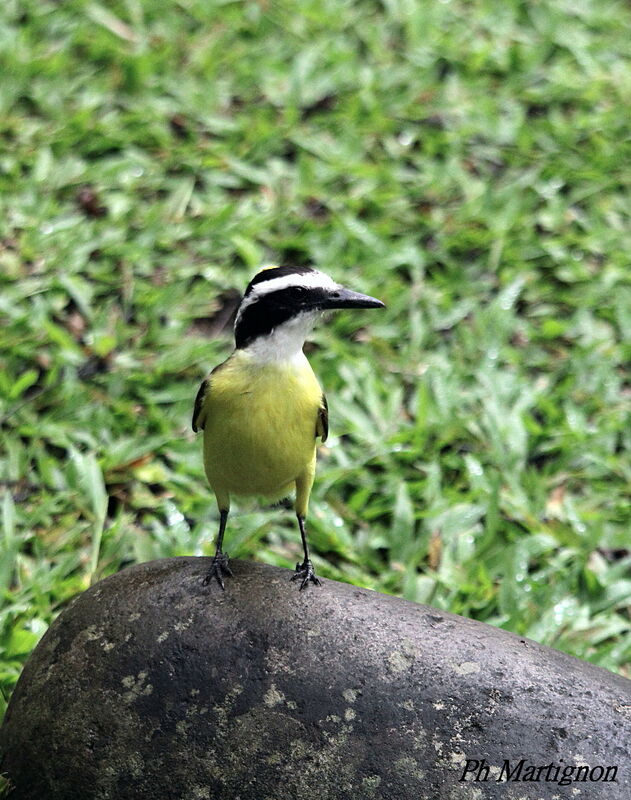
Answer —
260 426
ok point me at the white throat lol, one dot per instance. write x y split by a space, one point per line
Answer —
284 343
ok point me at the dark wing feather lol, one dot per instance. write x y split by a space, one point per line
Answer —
322 423
198 417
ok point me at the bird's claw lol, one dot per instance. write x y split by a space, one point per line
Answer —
218 569
306 574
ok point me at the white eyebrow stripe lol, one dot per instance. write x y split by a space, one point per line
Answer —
308 280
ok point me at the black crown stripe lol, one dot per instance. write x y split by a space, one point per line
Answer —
275 272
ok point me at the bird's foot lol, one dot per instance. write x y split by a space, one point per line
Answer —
218 569
305 573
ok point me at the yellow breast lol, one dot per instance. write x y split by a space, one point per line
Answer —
260 425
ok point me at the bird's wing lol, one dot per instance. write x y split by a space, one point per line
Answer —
322 422
199 413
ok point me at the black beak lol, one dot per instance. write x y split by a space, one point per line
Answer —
345 298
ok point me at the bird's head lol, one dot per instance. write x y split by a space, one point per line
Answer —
281 305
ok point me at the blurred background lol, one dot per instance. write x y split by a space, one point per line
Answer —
467 162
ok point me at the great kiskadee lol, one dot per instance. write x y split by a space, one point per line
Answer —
262 410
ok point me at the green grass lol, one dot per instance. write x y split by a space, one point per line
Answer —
467 162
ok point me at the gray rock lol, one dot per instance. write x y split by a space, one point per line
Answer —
152 685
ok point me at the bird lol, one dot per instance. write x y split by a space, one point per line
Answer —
262 410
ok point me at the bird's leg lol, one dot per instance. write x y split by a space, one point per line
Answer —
219 566
305 571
